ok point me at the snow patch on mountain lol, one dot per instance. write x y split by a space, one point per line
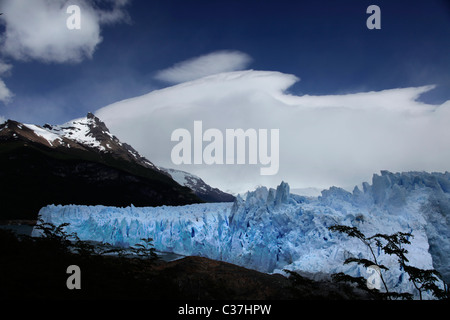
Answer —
181 177
201 189
87 131
80 131
47 135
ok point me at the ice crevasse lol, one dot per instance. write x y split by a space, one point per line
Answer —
272 229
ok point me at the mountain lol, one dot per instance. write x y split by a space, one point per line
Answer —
272 230
201 189
79 162
91 133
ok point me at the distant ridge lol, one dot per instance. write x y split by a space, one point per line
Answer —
201 189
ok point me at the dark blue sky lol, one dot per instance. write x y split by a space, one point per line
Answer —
323 42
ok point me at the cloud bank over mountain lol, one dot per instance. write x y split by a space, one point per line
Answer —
324 140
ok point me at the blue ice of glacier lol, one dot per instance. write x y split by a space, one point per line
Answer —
272 229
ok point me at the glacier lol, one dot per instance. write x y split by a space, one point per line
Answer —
272 230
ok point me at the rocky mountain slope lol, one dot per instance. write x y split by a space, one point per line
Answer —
201 189
78 162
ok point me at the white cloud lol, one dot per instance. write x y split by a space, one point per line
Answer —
5 93
116 14
2 119
5 67
37 29
324 140
205 65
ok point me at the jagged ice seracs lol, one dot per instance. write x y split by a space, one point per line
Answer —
271 230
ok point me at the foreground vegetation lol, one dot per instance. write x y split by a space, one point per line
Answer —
33 267
38 267
394 244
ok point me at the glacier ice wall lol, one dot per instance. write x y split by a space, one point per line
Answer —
271 230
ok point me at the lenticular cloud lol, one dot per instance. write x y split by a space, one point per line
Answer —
324 140
205 65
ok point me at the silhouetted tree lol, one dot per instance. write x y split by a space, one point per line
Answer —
54 237
146 250
423 280
355 233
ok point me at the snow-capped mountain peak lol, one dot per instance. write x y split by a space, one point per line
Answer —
88 133
91 137
77 162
